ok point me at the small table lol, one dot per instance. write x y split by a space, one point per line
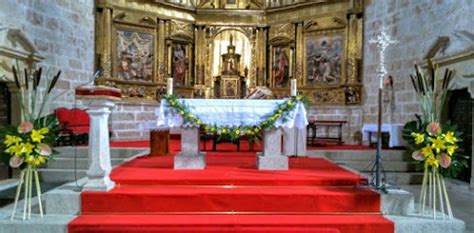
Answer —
392 131
313 126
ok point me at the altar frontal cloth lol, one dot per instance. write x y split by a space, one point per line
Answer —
232 113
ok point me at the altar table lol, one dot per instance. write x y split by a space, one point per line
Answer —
369 133
231 113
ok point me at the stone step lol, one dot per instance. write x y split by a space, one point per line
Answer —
60 176
402 178
389 165
360 155
81 163
82 152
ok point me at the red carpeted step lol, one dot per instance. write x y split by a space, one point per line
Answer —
173 199
231 223
233 169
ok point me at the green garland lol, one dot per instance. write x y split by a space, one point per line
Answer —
253 132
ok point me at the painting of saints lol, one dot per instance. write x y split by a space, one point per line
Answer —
281 68
179 64
324 60
134 56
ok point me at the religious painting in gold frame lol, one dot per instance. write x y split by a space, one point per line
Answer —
179 64
282 65
324 58
133 54
230 88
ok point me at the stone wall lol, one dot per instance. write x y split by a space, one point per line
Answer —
128 117
63 33
416 25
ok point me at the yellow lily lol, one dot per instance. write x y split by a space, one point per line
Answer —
437 144
10 140
419 138
27 148
38 135
432 161
15 150
451 149
450 138
427 151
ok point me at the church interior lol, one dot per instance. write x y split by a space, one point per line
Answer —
236 116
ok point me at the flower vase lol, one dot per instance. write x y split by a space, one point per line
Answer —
28 176
434 194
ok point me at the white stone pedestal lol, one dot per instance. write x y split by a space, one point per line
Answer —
271 157
294 142
190 157
99 150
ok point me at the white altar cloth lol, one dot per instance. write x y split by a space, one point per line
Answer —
394 130
231 112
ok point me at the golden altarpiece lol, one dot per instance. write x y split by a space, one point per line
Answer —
319 43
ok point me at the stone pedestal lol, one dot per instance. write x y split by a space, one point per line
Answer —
271 157
190 158
294 142
100 102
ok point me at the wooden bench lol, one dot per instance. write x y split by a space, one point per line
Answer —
312 132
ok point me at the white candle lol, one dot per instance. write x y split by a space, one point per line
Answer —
169 86
293 87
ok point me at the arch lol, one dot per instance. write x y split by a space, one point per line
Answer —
242 44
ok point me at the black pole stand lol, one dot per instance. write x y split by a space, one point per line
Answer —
379 182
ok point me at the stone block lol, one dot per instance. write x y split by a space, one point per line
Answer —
272 162
184 161
190 141
272 142
397 202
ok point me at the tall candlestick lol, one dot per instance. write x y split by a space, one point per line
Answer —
169 86
293 87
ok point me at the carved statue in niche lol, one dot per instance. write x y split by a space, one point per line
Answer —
352 96
281 68
179 64
135 56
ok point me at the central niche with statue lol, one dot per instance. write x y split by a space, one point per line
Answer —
230 84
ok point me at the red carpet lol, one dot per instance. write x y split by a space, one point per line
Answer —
230 195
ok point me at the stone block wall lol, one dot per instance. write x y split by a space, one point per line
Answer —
128 117
63 33
351 114
416 25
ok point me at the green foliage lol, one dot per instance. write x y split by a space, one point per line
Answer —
253 132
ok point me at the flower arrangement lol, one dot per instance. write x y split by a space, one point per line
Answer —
434 145
28 145
253 132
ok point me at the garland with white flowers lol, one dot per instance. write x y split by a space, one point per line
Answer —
253 132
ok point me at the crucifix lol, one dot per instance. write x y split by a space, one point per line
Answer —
382 41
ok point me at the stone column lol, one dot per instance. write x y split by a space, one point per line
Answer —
271 157
100 100
190 157
99 151
294 142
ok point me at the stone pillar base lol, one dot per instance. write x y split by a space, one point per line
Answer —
271 162
100 184
190 162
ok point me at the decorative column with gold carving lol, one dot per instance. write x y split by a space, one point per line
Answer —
161 51
105 31
299 53
200 43
261 51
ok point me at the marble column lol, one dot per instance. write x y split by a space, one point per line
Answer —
271 157
98 178
190 158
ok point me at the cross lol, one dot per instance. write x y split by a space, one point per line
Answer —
382 40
